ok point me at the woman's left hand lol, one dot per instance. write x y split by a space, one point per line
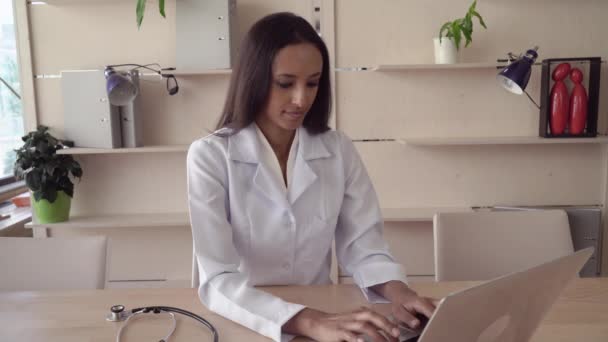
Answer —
406 303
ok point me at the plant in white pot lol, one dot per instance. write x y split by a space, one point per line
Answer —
447 45
47 174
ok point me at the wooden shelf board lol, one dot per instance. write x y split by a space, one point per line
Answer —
402 67
119 221
144 149
523 140
182 219
417 214
198 72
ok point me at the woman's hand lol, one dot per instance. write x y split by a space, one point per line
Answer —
349 326
406 304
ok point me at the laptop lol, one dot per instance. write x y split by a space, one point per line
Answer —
506 309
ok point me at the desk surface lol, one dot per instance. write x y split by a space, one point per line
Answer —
581 313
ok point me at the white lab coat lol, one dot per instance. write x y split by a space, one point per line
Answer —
247 231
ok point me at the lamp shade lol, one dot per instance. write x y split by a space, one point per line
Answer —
120 88
515 76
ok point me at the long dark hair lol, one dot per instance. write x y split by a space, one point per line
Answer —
252 74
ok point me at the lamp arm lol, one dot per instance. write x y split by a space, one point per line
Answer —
10 88
139 66
530 97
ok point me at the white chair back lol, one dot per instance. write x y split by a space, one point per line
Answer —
52 263
485 245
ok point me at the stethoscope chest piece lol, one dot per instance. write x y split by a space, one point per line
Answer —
117 314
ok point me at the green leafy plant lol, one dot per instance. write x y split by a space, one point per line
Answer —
462 27
141 8
45 171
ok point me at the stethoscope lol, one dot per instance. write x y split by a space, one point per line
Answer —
119 314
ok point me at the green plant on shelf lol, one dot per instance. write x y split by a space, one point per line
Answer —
457 28
141 8
46 172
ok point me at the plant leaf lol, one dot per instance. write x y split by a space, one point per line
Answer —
139 12
77 172
33 179
468 36
37 195
64 184
50 168
457 33
69 191
480 19
472 7
50 193
161 7
445 27
467 22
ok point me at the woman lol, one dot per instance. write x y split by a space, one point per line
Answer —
270 190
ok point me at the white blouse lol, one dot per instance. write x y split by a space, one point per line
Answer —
270 158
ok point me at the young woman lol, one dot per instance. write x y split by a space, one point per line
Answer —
273 186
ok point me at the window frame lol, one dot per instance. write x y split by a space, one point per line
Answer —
8 184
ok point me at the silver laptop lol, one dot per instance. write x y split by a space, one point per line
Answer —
506 309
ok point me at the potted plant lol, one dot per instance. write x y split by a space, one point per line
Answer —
447 45
47 174
141 7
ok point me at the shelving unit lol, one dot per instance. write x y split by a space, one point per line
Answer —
144 149
523 140
119 221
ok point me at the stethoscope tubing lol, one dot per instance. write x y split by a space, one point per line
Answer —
137 314
170 309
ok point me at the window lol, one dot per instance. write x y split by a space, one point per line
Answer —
11 110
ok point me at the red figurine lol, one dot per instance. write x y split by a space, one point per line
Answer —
559 100
578 103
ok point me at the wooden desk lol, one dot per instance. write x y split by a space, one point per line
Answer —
581 314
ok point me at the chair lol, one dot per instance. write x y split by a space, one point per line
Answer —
485 245
52 263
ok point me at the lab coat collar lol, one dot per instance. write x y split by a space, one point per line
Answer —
245 147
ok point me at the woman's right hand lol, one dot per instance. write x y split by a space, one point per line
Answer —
349 326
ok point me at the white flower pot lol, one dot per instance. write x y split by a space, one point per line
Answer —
445 52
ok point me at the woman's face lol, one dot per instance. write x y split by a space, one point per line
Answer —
296 71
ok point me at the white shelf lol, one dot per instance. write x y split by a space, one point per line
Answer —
74 2
182 219
417 214
119 221
197 72
524 140
144 149
432 66
401 67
